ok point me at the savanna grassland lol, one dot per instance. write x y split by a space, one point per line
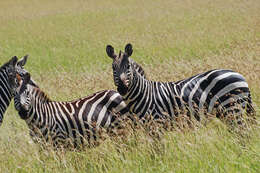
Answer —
172 40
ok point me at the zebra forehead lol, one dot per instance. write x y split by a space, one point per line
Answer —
120 56
117 62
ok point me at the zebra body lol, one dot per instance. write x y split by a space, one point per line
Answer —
201 93
218 90
62 122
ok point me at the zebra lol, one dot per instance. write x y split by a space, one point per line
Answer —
217 89
70 123
6 94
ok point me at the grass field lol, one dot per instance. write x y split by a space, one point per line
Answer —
172 40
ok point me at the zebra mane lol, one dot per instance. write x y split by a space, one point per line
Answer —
40 94
138 68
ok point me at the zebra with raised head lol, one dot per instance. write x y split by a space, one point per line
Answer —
220 90
5 89
64 123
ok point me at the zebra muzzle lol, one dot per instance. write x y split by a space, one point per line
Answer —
124 80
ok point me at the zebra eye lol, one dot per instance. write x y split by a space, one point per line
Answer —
16 82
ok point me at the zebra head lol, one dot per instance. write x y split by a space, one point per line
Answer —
122 67
10 67
22 97
17 67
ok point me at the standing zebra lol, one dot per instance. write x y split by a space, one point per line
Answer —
5 90
219 90
65 123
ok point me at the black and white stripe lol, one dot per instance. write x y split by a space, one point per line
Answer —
221 90
62 122
5 89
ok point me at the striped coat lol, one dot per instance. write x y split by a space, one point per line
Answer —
220 91
63 123
6 94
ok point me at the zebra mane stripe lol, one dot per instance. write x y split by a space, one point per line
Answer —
42 95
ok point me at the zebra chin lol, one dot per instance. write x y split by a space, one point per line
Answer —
23 113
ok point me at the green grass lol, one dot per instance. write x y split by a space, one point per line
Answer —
172 40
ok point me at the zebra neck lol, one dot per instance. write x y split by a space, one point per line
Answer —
5 93
40 111
136 81
139 92
141 98
137 67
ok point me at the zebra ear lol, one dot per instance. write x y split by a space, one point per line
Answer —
128 49
110 52
23 61
13 61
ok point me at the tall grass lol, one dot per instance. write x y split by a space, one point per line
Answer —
172 40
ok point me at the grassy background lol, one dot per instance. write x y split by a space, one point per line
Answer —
172 40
